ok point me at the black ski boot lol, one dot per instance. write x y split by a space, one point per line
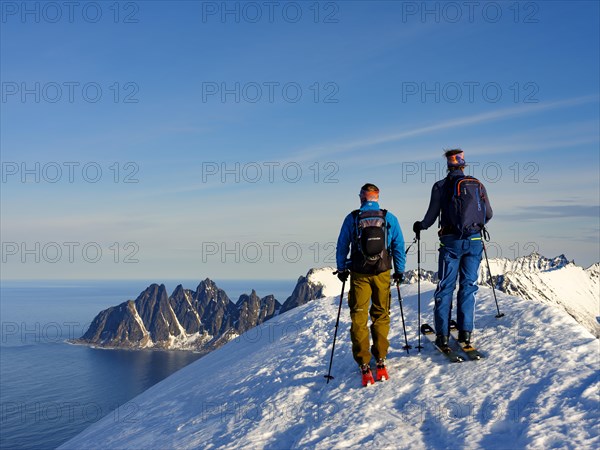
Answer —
464 336
441 341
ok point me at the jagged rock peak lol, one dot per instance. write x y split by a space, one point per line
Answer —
207 284
202 320
253 310
410 276
305 291
245 298
534 262
179 290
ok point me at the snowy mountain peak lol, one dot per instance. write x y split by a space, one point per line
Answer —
318 283
594 270
534 262
324 277
556 281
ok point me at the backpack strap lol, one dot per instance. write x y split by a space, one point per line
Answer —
447 194
387 226
445 197
355 215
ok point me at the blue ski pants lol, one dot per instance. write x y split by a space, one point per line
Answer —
459 258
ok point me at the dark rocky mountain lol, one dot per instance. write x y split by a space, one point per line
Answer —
304 292
216 311
410 276
253 309
181 302
156 314
117 327
196 320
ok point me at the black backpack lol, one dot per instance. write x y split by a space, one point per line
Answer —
370 254
465 205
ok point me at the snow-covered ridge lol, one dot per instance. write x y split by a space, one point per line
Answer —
537 388
532 263
594 271
556 281
551 280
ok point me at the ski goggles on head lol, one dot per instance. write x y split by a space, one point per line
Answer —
457 160
369 196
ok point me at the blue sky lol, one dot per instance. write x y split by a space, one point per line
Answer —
300 111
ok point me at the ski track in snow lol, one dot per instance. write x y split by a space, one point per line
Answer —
537 388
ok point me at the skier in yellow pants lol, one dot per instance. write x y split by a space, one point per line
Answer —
374 239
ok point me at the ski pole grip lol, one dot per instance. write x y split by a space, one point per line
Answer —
485 234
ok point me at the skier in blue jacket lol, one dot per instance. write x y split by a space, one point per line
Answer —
459 255
369 265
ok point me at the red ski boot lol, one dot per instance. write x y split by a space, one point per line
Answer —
382 371
367 376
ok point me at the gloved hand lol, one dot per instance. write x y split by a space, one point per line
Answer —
343 275
417 227
398 277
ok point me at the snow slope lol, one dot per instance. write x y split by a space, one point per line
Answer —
323 276
538 388
555 281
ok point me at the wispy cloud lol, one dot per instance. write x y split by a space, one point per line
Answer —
590 237
476 148
544 212
491 116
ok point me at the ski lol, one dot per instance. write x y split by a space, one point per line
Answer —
469 349
429 333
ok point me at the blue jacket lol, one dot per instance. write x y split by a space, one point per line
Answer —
395 239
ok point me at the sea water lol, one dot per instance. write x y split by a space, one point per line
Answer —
51 390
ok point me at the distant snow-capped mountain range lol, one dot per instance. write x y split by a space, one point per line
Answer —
205 319
557 281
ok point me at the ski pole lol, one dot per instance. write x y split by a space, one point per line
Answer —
485 235
410 246
406 347
419 346
337 322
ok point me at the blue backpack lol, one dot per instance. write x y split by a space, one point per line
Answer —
465 205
